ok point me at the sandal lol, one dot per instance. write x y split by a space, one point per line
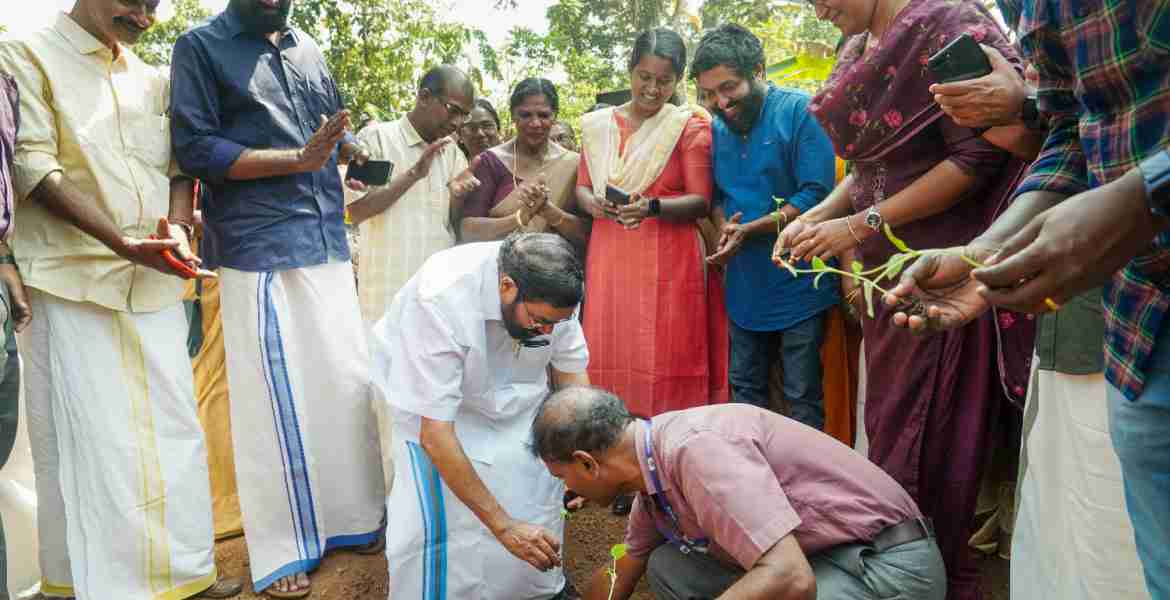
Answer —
223 588
376 546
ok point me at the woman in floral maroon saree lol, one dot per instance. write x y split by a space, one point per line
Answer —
931 402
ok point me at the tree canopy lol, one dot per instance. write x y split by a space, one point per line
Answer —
379 49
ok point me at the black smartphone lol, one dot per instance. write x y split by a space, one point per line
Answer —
372 172
618 196
959 60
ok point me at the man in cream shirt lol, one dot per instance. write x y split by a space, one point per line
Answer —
121 468
406 221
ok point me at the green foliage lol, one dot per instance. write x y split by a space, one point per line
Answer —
379 49
154 47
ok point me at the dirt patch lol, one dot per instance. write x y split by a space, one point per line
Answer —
589 533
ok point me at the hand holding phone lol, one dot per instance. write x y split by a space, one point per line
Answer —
959 60
371 172
617 195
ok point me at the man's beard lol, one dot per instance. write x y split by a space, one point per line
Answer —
259 19
514 329
749 110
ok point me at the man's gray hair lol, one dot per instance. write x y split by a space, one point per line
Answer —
576 418
544 267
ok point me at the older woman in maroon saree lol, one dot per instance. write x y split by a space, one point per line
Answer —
931 402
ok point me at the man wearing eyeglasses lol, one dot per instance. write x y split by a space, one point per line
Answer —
257 116
464 357
406 221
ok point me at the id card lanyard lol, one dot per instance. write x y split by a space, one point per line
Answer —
685 544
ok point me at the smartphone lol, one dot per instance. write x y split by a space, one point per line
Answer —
616 195
372 172
959 60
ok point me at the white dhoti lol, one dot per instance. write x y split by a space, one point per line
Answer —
1073 539
120 462
306 448
439 550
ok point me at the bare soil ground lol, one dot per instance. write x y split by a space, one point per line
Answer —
590 533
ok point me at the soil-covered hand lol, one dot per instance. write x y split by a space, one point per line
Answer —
941 291
532 544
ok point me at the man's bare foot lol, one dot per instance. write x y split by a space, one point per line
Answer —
293 586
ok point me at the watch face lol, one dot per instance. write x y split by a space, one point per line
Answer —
873 219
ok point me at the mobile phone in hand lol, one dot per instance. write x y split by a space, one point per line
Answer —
371 172
617 195
959 60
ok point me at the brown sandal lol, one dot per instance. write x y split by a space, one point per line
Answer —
223 588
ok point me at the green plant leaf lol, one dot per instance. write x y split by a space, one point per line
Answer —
894 266
899 244
617 551
818 264
868 293
857 267
779 201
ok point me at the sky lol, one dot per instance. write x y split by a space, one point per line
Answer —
33 15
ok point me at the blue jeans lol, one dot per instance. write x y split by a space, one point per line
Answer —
1141 437
799 347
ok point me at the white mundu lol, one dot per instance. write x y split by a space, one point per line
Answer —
442 352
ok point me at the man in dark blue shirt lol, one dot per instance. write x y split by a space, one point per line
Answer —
765 146
256 115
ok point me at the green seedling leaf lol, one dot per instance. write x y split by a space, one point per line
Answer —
899 244
617 551
894 266
565 514
779 201
868 293
818 264
857 267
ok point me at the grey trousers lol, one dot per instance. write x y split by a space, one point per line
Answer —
912 571
9 410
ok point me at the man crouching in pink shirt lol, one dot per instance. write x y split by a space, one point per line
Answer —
736 502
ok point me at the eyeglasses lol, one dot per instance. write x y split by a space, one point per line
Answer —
456 110
487 128
539 323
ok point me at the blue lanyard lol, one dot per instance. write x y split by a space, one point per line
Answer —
685 544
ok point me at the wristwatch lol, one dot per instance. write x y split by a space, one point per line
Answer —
1030 114
1156 173
873 218
655 207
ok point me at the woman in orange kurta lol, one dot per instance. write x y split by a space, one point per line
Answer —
653 316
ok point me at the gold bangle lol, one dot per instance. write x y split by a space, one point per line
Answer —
520 220
849 224
561 220
1051 304
852 295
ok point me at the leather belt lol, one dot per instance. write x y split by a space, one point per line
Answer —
910 530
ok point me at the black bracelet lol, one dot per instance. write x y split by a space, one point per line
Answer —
655 207
7 259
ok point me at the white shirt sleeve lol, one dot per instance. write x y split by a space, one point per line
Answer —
422 359
571 355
